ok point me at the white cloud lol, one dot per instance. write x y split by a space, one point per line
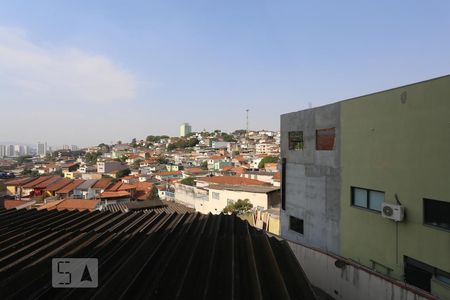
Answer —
33 73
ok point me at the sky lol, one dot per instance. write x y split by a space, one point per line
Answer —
86 72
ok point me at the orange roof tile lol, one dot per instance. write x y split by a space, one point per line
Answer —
58 185
168 173
19 181
102 183
48 182
120 194
80 204
126 186
115 186
143 186
232 180
70 187
277 176
35 182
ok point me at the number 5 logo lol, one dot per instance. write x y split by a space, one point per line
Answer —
62 273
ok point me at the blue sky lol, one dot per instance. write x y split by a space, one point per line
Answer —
85 72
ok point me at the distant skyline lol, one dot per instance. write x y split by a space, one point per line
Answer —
86 72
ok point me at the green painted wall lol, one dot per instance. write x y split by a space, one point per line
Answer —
399 148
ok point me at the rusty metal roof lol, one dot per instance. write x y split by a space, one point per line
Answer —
147 255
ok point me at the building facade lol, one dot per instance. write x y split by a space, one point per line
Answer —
185 129
349 167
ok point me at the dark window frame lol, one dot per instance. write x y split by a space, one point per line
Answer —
424 214
299 225
352 191
296 143
325 130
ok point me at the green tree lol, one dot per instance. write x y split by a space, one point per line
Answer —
153 194
267 159
122 173
162 160
238 207
23 159
133 143
188 181
204 165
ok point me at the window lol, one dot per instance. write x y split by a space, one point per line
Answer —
325 139
369 199
436 213
295 140
215 195
296 224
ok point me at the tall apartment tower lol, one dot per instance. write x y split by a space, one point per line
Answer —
185 129
42 149
10 150
2 151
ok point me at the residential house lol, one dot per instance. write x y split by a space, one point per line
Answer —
163 176
85 190
219 196
68 190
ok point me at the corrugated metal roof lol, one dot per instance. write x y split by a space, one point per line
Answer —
167 207
147 255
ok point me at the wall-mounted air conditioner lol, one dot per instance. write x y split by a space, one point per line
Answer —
392 211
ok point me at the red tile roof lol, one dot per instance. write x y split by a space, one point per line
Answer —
115 186
69 165
232 180
143 186
35 182
168 173
71 204
126 187
48 182
58 185
277 176
121 194
19 181
70 187
8 204
102 183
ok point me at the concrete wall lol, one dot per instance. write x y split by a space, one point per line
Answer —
312 179
352 281
215 206
397 141
191 196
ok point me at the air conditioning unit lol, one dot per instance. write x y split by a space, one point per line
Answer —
392 211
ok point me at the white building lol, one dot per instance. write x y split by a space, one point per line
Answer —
10 150
42 149
2 151
185 129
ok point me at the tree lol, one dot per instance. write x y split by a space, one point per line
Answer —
162 160
91 157
188 181
133 143
204 165
267 159
23 159
238 207
153 194
104 147
122 173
